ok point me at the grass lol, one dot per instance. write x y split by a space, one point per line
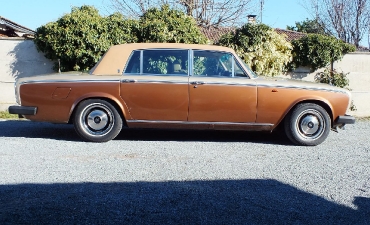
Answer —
7 115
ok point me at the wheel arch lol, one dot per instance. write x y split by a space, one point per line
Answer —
325 105
117 104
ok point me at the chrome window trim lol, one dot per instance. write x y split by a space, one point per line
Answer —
243 64
158 81
155 75
163 75
234 59
232 66
141 62
190 62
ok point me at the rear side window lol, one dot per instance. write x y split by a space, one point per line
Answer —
158 62
134 64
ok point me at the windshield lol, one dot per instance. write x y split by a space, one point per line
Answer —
249 70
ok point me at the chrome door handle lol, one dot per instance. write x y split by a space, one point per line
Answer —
197 82
128 81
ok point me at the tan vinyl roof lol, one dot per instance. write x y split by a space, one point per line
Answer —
114 60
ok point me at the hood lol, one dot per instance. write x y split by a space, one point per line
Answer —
292 83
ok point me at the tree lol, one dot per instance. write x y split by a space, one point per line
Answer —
81 37
169 25
348 20
205 12
318 51
308 26
135 8
264 50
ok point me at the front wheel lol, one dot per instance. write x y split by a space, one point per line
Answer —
308 124
97 120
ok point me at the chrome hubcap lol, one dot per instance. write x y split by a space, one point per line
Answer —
310 124
97 119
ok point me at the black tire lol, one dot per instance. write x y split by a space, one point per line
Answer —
307 124
97 120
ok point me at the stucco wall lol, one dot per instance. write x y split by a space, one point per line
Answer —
18 58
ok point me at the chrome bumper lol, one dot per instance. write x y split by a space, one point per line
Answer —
22 110
346 119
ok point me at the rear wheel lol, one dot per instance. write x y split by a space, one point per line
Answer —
308 124
97 120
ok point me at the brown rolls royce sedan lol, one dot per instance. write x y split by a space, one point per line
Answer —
180 86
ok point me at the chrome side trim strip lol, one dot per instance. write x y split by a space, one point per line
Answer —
186 82
199 123
68 81
303 88
231 84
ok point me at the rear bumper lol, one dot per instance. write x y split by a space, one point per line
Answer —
346 119
22 110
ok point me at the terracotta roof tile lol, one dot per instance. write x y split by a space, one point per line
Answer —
12 27
290 35
214 33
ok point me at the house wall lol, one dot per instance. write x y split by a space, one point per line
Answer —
357 64
18 58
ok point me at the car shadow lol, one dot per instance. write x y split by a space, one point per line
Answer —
173 202
202 135
28 129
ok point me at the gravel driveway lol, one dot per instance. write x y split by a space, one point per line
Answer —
181 177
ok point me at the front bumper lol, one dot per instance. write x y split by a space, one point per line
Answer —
22 110
346 119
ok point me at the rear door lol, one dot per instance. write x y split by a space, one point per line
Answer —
155 85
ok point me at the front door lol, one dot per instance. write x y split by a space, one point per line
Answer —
219 90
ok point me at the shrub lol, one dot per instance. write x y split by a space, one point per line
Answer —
80 38
335 78
264 50
338 79
169 25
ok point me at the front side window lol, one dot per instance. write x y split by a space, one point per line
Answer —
214 64
159 62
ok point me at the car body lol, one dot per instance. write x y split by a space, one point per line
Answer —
185 86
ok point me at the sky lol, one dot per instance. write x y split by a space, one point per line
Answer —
35 13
